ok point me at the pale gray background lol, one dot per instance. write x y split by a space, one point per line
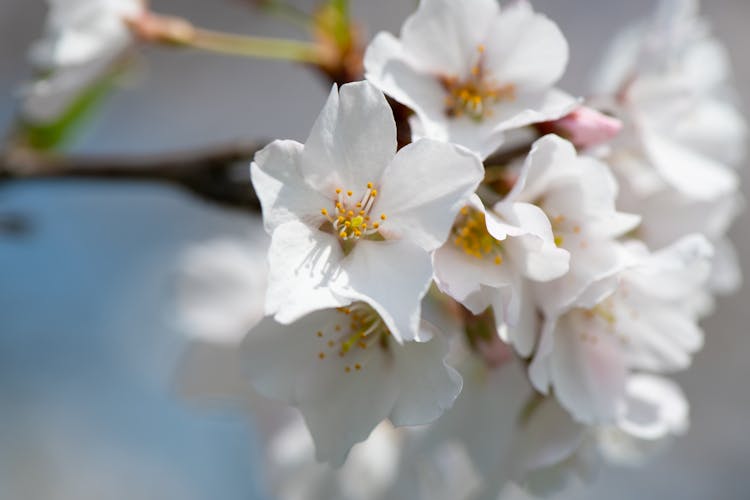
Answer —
87 343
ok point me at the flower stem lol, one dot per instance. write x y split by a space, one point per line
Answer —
250 46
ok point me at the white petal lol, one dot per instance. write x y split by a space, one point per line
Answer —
655 408
548 160
281 188
391 276
589 377
304 264
427 384
693 174
423 189
340 406
352 141
462 276
526 49
387 68
594 267
533 249
443 35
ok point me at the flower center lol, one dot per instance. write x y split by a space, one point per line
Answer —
352 220
474 96
470 235
359 329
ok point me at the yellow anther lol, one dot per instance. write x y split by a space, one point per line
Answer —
348 223
323 211
480 48
338 191
321 355
383 217
498 260
357 366
347 369
475 70
374 193
350 214
369 185
319 333
558 240
359 204
348 193
342 234
375 225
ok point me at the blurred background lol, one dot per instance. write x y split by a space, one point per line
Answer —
89 338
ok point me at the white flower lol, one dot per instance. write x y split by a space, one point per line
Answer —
81 31
352 219
471 72
367 473
648 323
669 81
668 215
552 450
82 40
346 373
221 285
577 193
489 255
220 289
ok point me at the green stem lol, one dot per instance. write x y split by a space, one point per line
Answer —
250 46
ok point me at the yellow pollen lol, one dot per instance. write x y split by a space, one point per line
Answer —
347 369
374 193
357 366
470 235
342 234
383 217
375 225
348 193
369 185
321 355
338 191
359 204
324 211
319 334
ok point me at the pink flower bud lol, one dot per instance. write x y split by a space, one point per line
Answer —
585 127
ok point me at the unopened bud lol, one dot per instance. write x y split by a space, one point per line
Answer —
585 127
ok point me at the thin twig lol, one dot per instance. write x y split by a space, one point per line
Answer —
218 174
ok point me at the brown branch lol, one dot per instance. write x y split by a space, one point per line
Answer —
217 174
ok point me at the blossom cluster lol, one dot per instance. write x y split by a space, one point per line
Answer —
529 311
475 318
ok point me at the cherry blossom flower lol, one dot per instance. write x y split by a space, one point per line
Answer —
647 323
80 31
81 41
346 372
472 72
577 193
553 451
351 219
489 255
668 79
